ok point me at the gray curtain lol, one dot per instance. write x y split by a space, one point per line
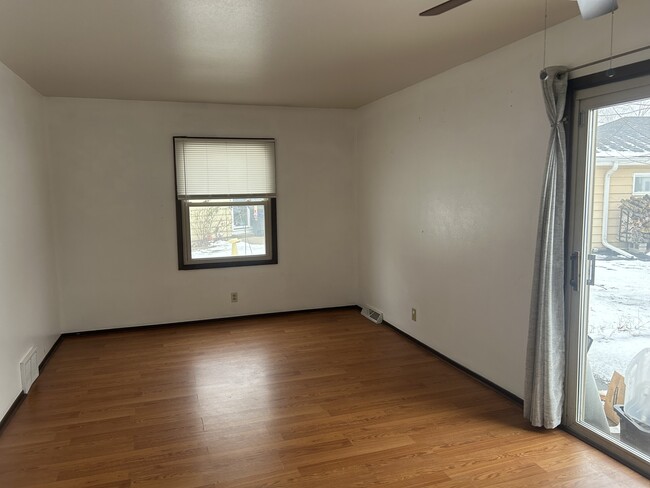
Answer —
544 389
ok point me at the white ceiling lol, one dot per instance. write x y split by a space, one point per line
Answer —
310 53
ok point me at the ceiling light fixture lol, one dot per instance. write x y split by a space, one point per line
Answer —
590 9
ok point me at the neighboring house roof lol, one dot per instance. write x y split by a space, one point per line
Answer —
627 138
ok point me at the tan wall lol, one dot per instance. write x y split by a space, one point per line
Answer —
620 189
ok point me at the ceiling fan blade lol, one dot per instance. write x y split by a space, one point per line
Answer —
443 7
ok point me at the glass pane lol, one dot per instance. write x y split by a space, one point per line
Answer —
227 231
642 183
616 384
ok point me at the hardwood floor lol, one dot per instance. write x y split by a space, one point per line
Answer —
319 399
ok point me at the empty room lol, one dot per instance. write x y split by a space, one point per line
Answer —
289 243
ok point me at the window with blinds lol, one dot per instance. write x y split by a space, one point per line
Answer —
225 201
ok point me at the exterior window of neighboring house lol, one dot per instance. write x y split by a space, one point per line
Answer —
241 219
641 183
225 202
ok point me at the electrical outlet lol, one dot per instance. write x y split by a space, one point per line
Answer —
234 297
414 315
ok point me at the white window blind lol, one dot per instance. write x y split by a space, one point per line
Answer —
224 168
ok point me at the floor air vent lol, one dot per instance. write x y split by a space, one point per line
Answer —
372 315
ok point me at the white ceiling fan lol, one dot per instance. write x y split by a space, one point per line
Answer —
589 9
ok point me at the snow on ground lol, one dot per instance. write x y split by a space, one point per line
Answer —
223 249
619 315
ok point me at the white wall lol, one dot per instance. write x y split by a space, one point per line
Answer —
28 309
450 175
113 188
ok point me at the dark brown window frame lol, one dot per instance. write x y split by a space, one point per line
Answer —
229 262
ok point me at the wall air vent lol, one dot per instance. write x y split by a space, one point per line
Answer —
29 369
372 315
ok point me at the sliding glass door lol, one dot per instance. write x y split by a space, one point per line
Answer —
608 280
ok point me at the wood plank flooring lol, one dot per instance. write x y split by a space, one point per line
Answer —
318 399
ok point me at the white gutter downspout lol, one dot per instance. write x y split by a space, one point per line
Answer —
608 177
